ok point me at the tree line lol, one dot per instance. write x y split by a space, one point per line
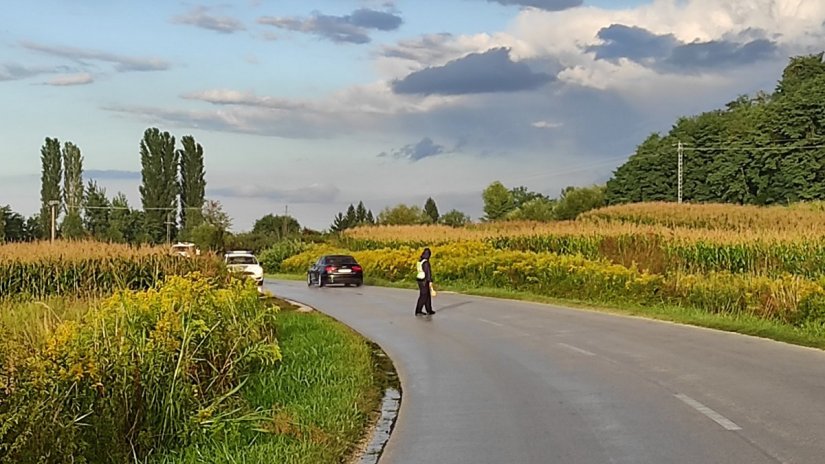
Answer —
500 204
172 194
763 149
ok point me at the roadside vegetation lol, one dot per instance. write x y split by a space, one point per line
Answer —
749 269
110 354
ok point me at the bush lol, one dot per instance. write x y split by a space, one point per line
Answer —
142 372
272 257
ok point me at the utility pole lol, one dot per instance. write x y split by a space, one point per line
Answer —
284 222
53 204
168 229
681 151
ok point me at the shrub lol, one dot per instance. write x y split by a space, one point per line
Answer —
142 371
272 257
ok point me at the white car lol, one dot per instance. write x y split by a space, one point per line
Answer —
185 249
246 263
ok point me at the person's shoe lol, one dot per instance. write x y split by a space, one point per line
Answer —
431 313
419 313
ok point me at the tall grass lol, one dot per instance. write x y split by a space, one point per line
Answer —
317 401
137 373
89 269
807 218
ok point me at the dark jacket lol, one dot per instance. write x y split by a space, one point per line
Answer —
428 273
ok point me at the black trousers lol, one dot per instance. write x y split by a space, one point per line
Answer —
425 300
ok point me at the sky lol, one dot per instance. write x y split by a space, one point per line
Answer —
308 106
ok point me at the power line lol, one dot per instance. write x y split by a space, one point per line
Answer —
126 208
740 148
636 156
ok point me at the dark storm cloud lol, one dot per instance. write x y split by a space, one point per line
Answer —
352 28
415 152
634 43
372 19
716 54
489 72
549 5
666 52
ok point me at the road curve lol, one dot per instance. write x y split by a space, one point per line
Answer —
497 381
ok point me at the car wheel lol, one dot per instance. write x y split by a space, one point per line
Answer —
309 279
358 284
320 280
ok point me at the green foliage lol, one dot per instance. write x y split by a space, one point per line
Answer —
51 177
354 217
575 201
192 182
801 69
272 257
402 214
72 183
125 224
758 150
159 188
318 400
141 373
72 226
93 276
252 241
455 218
538 209
277 226
498 202
96 211
32 228
522 196
431 210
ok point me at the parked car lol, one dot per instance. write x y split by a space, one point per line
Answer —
246 263
335 269
185 249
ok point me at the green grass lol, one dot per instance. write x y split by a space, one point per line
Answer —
317 403
811 335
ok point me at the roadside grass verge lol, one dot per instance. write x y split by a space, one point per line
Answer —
811 335
314 407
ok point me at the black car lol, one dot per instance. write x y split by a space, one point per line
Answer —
335 269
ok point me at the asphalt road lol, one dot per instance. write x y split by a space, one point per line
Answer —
494 381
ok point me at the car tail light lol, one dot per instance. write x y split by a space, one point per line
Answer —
356 268
330 268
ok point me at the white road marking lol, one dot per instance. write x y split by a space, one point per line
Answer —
576 349
726 423
491 322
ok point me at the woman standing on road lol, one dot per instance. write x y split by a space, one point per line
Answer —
424 277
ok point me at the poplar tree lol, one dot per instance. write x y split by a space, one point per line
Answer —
192 183
72 226
159 188
51 175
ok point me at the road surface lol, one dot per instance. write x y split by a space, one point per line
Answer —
496 381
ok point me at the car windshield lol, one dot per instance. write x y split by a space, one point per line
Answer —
340 260
241 260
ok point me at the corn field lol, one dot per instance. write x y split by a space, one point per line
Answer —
89 269
657 237
808 218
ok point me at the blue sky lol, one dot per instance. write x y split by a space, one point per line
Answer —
320 104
